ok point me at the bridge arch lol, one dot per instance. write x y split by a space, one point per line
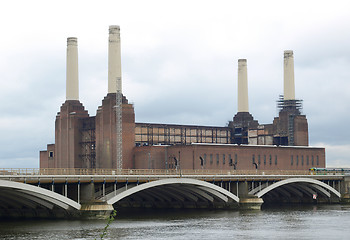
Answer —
25 198
299 186
181 189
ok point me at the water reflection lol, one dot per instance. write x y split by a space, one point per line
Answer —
292 222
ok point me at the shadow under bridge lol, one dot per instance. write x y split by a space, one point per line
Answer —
25 200
296 190
173 193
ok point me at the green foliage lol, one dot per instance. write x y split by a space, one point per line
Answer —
109 221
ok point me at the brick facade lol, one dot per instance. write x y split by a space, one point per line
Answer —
68 135
189 147
229 157
90 142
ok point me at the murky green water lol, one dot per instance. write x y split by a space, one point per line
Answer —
308 222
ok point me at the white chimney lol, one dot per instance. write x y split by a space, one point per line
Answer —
114 60
72 79
242 86
289 87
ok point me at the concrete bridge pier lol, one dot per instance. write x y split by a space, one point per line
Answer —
345 191
248 201
90 207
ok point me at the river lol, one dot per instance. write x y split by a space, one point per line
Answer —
289 222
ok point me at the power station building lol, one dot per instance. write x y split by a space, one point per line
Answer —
113 140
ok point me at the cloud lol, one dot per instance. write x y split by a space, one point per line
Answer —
179 64
19 162
337 155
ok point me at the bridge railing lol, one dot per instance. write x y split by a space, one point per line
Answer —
85 171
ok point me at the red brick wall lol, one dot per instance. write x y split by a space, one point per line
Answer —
189 157
301 136
128 125
106 133
44 161
149 157
68 136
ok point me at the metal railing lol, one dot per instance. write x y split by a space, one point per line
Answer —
183 172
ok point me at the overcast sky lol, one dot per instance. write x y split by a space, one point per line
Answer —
179 65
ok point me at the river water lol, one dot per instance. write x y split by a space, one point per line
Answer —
297 222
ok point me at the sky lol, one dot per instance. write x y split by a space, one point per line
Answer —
179 65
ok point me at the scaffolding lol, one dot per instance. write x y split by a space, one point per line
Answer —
88 142
119 130
291 130
294 106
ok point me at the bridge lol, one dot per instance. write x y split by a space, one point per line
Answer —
94 193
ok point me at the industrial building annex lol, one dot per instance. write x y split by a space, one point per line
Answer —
112 139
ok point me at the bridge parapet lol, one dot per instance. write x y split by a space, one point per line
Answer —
96 188
84 171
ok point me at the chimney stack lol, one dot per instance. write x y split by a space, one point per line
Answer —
289 87
242 86
114 60
72 80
